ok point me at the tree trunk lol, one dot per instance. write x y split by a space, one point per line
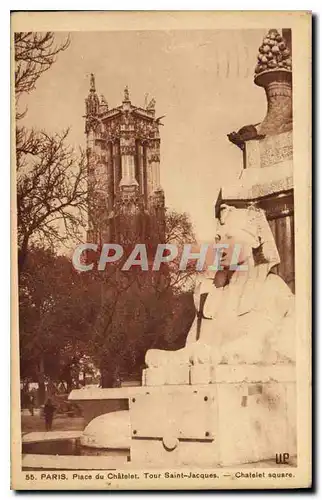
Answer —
41 382
69 380
22 255
107 376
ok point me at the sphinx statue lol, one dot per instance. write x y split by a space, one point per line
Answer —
228 396
244 315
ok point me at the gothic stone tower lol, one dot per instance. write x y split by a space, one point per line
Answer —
123 150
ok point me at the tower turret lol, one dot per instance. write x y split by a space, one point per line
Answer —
92 101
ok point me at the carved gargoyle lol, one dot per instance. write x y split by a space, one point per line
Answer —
246 133
158 120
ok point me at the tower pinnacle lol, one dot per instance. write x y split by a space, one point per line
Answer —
92 83
126 94
92 101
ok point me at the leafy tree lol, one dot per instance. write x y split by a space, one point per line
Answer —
140 310
56 312
112 317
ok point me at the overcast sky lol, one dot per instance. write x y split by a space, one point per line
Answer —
201 80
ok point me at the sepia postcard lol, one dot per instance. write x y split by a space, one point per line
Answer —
161 278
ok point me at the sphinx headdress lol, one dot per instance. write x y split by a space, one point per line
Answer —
250 225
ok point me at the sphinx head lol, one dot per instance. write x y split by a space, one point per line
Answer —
247 237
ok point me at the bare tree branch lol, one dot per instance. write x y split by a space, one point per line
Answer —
51 190
35 53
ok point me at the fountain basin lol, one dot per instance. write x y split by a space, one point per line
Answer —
64 449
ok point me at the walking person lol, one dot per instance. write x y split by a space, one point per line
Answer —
31 404
49 410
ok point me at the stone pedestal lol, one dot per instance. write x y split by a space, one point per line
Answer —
269 151
247 414
267 178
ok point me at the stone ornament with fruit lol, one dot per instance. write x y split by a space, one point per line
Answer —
273 54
